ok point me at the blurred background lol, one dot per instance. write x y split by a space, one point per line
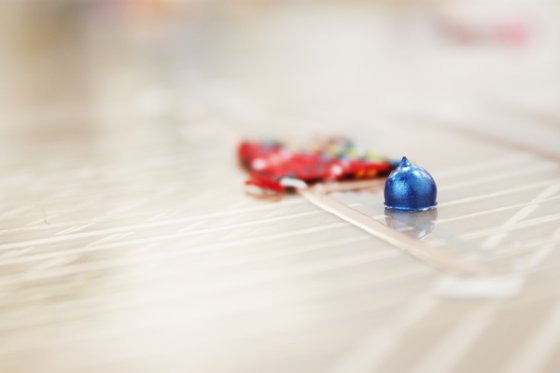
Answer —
69 66
126 242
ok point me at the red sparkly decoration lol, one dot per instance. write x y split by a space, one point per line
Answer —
276 167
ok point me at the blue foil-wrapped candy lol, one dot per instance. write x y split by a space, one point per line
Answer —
410 188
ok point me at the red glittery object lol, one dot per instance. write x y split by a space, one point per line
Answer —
275 167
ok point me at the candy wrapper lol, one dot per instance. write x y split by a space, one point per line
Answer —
276 167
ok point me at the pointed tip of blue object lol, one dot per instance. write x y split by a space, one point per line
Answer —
410 188
404 162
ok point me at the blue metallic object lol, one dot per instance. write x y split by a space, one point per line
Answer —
410 188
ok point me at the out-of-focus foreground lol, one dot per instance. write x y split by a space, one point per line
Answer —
128 245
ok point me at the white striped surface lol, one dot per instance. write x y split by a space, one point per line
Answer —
127 243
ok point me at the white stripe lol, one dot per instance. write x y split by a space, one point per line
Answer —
48 240
30 227
540 348
163 255
15 211
499 176
476 167
539 255
450 349
375 348
498 193
95 246
523 224
520 215
491 211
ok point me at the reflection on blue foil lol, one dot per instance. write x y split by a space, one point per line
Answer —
414 224
410 188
